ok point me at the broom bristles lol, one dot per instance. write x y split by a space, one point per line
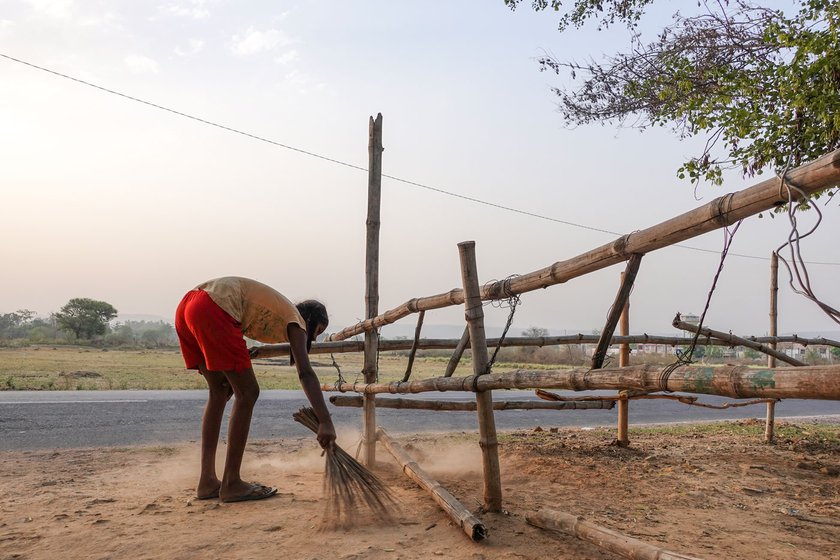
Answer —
348 485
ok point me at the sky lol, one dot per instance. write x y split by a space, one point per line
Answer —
111 199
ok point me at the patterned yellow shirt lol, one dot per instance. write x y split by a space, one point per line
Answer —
264 312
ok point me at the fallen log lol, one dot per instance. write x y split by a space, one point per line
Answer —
416 404
740 382
613 541
470 524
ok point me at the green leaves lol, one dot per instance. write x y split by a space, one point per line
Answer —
761 86
84 317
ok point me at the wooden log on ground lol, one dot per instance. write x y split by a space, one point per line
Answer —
467 406
736 341
613 541
462 517
739 382
474 313
721 212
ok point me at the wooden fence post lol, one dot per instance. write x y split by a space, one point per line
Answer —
624 361
770 421
474 313
372 282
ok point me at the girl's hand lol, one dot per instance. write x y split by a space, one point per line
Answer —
326 434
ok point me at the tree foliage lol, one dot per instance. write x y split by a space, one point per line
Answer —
85 318
609 11
535 332
13 324
760 86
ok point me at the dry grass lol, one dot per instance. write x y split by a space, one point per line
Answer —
63 368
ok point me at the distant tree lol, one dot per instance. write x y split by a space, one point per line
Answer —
162 334
714 352
535 332
85 318
752 354
13 325
836 353
759 85
41 330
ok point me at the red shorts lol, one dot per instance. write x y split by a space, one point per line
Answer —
209 336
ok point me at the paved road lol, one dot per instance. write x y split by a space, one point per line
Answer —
47 420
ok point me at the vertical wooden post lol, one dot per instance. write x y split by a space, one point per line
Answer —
474 313
372 282
771 360
624 361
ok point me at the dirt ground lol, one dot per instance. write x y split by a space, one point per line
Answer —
703 491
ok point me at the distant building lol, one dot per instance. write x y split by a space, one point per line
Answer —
691 319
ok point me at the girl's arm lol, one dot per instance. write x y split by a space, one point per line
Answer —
311 385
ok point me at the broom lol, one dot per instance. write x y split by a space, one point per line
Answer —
348 485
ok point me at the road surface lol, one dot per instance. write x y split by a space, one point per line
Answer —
69 419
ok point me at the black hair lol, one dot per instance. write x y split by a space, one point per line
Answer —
314 313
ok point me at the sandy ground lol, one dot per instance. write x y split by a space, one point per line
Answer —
710 495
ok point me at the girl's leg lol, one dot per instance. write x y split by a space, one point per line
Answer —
220 393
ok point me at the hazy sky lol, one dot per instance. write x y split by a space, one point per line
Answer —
110 199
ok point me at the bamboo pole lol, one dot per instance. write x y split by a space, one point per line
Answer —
740 382
623 439
613 541
628 395
628 277
372 281
349 346
459 351
468 523
413 351
770 421
735 341
774 306
821 341
467 406
721 212
474 313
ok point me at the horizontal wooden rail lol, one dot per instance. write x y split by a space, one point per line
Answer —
467 406
721 212
740 382
820 341
348 346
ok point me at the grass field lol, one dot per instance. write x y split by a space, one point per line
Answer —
48 368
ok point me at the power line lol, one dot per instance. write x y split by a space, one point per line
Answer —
358 167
